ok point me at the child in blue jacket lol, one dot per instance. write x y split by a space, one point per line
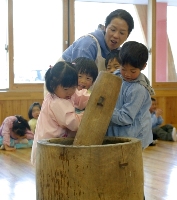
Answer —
131 116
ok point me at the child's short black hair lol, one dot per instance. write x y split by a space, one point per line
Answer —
114 54
133 53
86 66
62 73
31 108
153 99
20 125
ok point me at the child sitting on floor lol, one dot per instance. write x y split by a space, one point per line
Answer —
33 114
166 132
16 128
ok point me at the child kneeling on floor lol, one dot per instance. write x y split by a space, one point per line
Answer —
16 130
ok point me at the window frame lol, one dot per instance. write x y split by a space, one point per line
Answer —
161 88
68 38
10 55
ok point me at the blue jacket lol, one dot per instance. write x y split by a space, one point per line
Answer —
86 46
156 121
131 116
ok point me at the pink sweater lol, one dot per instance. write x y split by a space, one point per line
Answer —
57 117
6 130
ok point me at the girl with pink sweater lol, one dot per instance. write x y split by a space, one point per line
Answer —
57 117
15 128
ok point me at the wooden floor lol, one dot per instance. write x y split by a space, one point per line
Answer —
17 175
160 171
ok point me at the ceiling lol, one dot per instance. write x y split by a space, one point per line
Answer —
169 2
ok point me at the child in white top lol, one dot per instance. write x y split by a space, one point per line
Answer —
57 117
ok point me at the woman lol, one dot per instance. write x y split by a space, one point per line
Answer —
97 45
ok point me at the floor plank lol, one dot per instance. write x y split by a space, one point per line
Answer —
160 171
17 175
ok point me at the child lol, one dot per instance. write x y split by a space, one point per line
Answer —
17 128
112 62
33 114
87 72
166 132
57 117
131 117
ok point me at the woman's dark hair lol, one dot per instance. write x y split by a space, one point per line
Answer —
122 14
86 66
114 54
133 53
31 109
20 125
62 73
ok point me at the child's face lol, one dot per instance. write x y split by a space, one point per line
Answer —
18 136
129 72
65 92
35 112
113 65
85 81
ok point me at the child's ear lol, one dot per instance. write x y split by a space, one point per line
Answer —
144 66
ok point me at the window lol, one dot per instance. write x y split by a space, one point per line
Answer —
37 38
3 48
32 37
172 33
166 58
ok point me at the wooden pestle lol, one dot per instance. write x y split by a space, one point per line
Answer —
99 110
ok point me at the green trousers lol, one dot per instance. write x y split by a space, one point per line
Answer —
163 132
